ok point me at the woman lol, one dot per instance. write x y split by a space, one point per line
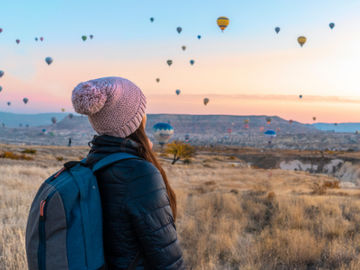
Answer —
139 206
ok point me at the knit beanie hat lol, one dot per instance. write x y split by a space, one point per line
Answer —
114 106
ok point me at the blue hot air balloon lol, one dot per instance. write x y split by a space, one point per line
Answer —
270 133
1 73
192 62
0 88
25 100
152 19
48 60
43 130
8 103
331 25
300 96
277 29
199 36
163 132
178 91
179 29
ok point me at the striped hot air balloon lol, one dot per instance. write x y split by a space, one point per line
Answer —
222 22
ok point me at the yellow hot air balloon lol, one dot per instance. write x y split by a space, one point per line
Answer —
223 22
301 40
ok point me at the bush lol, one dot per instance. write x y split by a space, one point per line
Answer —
59 158
187 161
180 150
29 151
11 155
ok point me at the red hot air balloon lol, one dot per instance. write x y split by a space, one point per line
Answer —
41 39
17 41
1 30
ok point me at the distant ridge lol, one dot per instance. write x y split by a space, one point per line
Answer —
40 119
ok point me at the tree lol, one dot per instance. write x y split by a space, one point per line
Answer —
179 150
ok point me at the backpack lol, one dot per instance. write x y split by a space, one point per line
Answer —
64 228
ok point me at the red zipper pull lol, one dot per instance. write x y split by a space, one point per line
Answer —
42 205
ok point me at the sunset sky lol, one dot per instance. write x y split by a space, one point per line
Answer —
247 70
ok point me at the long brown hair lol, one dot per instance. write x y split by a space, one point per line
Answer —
148 154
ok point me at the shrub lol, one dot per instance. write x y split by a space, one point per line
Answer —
180 150
29 151
11 155
59 158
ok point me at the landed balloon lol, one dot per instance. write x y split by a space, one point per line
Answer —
206 101
152 19
332 25
222 22
25 100
157 80
71 115
268 120
1 73
43 130
169 62
277 30
179 29
199 37
178 91
84 38
270 133
229 130
301 40
17 41
192 62
291 121
163 132
53 120
48 60
187 137
183 48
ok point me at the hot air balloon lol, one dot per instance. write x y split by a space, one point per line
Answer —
43 130
222 22
41 39
277 29
179 29
36 39
187 137
71 115
268 120
199 36
206 101
229 130
192 62
48 60
1 30
151 19
183 48
169 62
178 92
84 38
63 109
163 132
0 88
300 96
331 25
270 133
25 100
261 129
1 73
91 36
290 121
157 80
27 125
53 120
8 103
246 123
17 41
314 118
301 40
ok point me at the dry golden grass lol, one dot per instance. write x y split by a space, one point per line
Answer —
230 216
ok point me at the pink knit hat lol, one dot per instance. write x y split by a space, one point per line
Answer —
114 106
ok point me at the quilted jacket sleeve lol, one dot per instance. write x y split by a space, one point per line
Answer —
151 215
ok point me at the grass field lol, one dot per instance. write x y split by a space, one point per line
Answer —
231 216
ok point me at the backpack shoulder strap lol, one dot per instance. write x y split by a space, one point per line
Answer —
110 159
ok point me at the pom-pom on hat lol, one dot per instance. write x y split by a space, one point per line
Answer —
114 106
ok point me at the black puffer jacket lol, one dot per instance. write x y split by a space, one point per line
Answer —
136 210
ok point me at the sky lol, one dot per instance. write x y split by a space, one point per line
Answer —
246 70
